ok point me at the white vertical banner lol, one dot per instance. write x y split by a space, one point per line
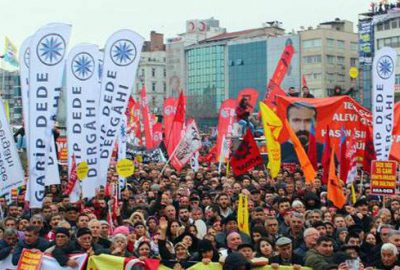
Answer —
24 78
11 173
194 161
121 59
82 102
383 81
47 54
122 138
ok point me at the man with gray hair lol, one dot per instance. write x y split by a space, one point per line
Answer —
389 258
394 238
310 237
8 243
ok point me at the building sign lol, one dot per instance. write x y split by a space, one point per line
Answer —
366 42
383 177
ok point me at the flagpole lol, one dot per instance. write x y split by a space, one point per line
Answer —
171 156
361 182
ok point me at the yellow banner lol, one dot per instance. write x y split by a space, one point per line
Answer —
217 266
243 214
272 128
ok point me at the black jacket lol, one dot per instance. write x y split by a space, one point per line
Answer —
5 249
296 259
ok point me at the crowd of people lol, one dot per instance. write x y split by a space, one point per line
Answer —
187 217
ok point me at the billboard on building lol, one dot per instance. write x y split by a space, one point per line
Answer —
175 66
366 42
275 46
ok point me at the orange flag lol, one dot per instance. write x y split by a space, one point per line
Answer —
335 189
305 163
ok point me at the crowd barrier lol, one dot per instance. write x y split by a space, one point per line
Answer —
39 261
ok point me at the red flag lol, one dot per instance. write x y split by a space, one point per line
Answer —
136 122
73 178
226 118
157 134
395 151
178 124
129 108
151 264
303 81
211 156
146 119
369 153
251 94
326 156
168 117
187 147
312 147
273 88
335 189
344 162
246 156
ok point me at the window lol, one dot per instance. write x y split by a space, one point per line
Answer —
353 62
394 24
397 79
165 72
330 59
312 43
312 59
153 101
340 60
340 44
330 43
353 46
142 71
165 87
153 86
153 72
386 25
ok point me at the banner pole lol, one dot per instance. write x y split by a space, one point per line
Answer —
171 156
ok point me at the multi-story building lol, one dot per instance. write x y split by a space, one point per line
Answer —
152 72
379 27
327 54
196 31
207 71
10 92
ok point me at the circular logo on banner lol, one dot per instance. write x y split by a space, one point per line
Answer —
385 67
125 167
168 110
123 52
51 49
82 170
82 66
353 72
27 57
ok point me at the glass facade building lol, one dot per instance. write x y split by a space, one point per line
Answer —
205 82
247 61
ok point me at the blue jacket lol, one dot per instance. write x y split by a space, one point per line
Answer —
5 249
40 244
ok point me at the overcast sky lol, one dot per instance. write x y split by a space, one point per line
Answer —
94 20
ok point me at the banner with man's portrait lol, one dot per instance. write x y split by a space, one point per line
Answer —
336 114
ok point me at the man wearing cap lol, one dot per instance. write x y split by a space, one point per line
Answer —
286 256
230 225
63 247
362 217
83 242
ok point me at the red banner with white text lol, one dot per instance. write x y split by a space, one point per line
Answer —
226 119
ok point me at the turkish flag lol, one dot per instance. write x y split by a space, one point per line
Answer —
246 156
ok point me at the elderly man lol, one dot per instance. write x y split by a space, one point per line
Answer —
310 237
8 243
285 253
233 240
320 256
389 258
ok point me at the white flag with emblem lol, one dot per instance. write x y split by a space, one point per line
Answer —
48 50
121 59
383 81
82 102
